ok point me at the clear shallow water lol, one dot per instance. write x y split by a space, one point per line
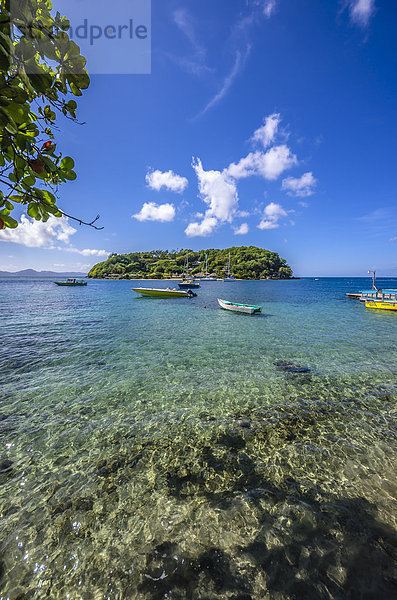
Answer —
155 448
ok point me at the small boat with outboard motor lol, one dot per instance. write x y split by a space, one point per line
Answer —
164 292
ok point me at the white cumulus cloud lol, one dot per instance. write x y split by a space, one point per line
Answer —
219 192
218 188
266 134
206 227
271 216
151 211
169 180
268 165
300 186
37 234
242 230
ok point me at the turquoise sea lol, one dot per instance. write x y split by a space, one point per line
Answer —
165 449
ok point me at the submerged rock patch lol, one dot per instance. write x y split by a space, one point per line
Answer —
289 367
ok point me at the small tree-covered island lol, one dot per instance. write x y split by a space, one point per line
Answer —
246 262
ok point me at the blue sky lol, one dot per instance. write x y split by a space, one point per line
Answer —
263 122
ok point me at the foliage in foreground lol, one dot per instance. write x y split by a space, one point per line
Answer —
246 262
41 70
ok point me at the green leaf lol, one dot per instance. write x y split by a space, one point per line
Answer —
70 175
28 181
75 89
9 222
37 211
18 198
48 197
67 163
48 163
7 122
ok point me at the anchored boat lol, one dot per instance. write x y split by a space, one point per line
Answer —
248 309
188 281
380 299
207 277
71 282
229 277
164 292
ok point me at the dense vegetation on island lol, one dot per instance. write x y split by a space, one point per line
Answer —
246 262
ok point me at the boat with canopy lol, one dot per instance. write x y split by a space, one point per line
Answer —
71 282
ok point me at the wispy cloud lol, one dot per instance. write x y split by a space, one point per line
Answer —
269 7
379 222
86 251
379 214
190 65
227 83
195 60
185 23
361 11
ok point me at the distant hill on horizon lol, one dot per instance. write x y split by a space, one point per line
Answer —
33 273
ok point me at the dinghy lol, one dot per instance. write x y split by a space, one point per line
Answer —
248 309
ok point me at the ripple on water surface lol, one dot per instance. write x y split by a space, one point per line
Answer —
157 449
